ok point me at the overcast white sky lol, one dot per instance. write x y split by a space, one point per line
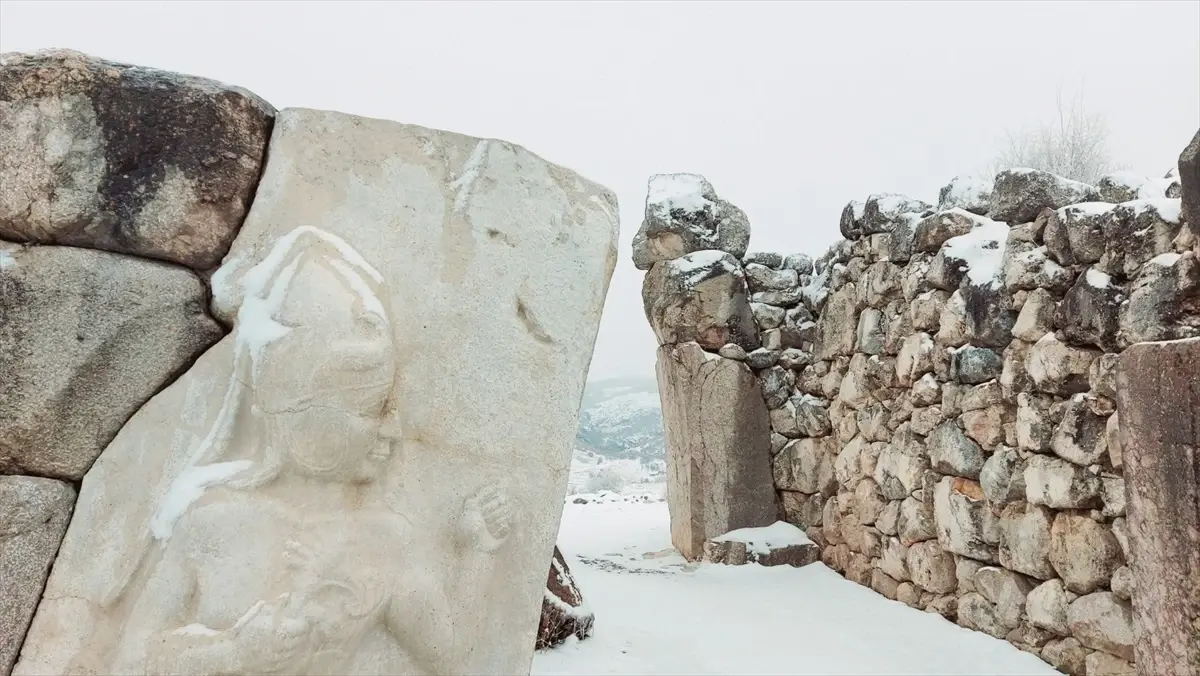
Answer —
790 109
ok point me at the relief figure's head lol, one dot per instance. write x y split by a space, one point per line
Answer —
323 362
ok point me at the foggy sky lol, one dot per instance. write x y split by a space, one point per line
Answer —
789 109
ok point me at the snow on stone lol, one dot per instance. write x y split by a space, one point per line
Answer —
1097 279
763 539
816 290
982 250
1169 209
186 489
694 266
655 613
1165 260
670 192
966 190
1086 209
6 259
470 173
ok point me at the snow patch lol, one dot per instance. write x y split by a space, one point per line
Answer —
672 192
763 539
1165 260
1097 279
470 173
1086 209
982 250
6 259
1169 209
186 489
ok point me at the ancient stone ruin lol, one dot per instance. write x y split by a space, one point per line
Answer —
935 399
250 383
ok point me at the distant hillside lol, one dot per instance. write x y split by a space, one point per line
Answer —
621 418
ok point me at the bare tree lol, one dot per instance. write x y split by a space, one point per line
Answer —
1074 146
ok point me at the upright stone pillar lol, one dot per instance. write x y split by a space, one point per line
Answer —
718 446
698 303
1158 401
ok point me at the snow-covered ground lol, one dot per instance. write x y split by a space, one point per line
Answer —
658 614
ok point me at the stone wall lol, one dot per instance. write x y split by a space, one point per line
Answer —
941 386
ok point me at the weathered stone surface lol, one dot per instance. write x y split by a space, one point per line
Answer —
806 465
1158 401
767 258
881 212
1047 604
1081 436
900 467
35 515
1067 655
951 452
564 613
802 509
1029 267
123 158
1089 314
87 337
916 522
1164 301
837 324
683 215
1037 316
1102 375
1035 426
763 278
932 232
1083 552
976 612
1025 539
1189 182
871 332
732 351
1003 478
965 524
1101 621
1103 664
1006 590
926 310
767 316
1019 194
1137 232
1060 484
973 365
812 416
966 192
361 473
801 263
700 297
1122 583
1058 368
719 470
931 568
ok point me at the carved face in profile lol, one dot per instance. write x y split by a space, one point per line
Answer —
323 387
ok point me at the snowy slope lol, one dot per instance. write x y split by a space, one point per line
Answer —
621 418
658 614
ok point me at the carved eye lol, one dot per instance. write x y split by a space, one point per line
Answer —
370 322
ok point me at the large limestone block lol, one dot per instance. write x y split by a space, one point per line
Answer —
700 297
86 338
33 517
367 475
1158 402
718 447
124 158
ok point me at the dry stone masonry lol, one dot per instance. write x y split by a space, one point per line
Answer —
237 360
941 389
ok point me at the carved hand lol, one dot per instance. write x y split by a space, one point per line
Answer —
487 519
